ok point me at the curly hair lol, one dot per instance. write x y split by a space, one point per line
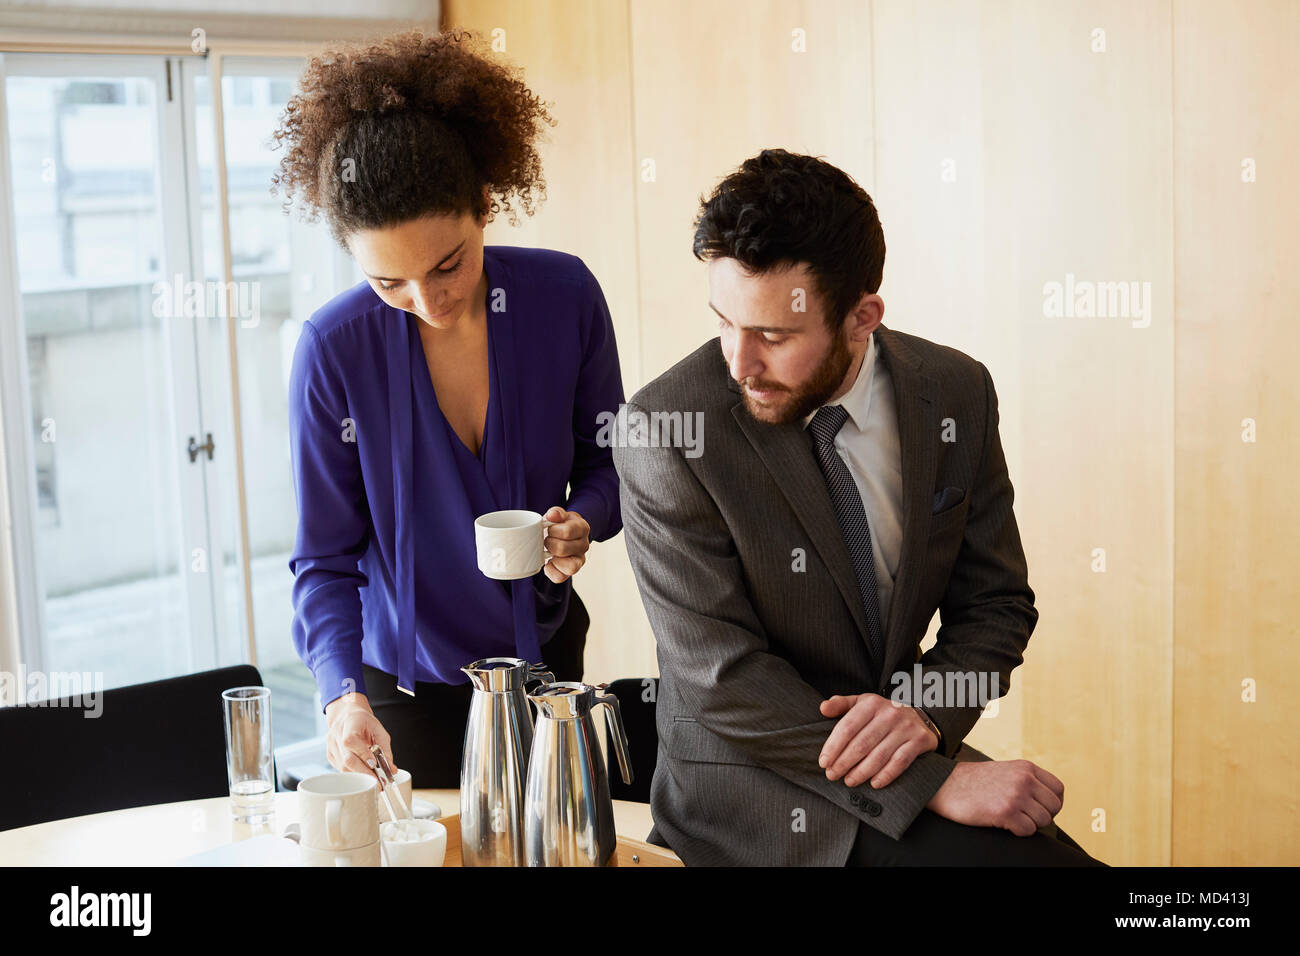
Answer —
410 126
782 208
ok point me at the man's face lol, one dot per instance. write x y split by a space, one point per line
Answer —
788 363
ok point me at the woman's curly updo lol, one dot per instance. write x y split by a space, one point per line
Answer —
413 125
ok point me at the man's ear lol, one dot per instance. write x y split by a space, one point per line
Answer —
865 317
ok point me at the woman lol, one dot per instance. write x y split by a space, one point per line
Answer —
458 379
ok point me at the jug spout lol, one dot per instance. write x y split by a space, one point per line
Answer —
562 700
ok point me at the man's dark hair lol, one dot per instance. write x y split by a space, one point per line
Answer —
781 208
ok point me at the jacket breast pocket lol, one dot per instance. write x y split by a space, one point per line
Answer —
947 529
688 739
954 517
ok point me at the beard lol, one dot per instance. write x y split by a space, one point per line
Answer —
792 404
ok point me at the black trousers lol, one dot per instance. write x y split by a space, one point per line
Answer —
428 730
933 840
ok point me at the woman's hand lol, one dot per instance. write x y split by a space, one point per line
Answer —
353 728
567 542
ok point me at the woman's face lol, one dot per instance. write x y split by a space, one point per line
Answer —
430 267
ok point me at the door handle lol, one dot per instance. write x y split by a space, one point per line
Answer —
195 448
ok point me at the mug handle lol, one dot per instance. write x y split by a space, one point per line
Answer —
546 555
333 810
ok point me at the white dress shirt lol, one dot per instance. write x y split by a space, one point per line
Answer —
868 443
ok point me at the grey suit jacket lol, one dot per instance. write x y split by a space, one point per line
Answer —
751 594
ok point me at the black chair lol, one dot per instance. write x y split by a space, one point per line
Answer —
642 739
160 742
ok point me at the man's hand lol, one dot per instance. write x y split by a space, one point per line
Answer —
876 739
567 543
1015 795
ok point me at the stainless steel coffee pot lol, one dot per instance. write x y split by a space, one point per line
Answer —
568 813
493 768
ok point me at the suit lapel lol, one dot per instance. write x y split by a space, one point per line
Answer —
915 402
786 452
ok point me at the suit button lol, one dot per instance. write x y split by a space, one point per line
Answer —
856 799
873 808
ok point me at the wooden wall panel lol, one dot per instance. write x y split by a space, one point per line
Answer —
1077 159
1235 779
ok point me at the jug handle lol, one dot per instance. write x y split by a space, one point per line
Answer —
614 718
538 672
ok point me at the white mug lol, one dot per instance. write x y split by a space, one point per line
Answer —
337 811
359 856
511 544
402 779
426 844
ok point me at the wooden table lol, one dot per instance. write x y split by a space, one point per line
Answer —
167 833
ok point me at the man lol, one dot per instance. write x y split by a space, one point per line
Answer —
848 481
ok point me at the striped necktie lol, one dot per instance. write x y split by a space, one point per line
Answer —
852 517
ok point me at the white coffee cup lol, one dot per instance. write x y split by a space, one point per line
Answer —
414 842
336 811
358 856
511 544
402 779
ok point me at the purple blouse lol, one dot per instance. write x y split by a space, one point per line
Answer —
385 567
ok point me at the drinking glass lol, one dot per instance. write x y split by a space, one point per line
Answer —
248 753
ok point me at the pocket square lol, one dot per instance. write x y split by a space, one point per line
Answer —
948 498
